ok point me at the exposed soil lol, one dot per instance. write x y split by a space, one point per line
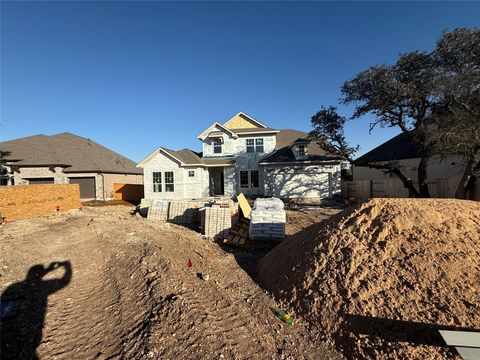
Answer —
131 294
379 280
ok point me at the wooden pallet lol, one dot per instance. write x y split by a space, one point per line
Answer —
238 234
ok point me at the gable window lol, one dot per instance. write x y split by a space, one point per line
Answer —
301 150
250 145
243 179
169 181
191 173
254 178
217 146
259 146
157 181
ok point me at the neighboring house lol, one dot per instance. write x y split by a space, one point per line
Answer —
243 155
405 152
66 159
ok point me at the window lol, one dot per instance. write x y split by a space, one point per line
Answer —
254 179
157 182
250 146
301 150
217 146
243 179
259 146
191 173
254 145
169 184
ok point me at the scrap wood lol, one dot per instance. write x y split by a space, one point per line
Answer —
244 205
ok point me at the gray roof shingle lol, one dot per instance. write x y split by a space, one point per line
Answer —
76 153
399 147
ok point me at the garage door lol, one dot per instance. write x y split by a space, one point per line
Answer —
37 181
87 186
299 185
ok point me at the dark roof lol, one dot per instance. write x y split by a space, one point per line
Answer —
218 161
76 153
190 157
241 131
399 147
287 136
284 154
186 156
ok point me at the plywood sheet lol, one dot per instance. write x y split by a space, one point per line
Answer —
246 209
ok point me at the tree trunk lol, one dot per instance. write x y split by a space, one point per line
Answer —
394 170
468 178
422 178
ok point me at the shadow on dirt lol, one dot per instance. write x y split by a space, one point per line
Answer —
23 309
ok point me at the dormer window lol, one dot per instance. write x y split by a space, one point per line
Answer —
301 150
217 146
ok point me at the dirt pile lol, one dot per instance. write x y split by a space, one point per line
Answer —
132 295
380 279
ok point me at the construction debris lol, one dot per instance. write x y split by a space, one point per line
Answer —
238 234
267 219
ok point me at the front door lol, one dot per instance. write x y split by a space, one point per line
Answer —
216 181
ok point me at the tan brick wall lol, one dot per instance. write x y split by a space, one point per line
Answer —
21 202
110 179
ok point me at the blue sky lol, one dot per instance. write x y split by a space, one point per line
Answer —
137 75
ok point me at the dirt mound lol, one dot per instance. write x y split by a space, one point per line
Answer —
381 279
131 294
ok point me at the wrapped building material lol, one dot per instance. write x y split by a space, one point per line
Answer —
267 219
144 205
184 211
158 210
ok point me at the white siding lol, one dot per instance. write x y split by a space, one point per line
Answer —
162 163
297 182
249 161
194 187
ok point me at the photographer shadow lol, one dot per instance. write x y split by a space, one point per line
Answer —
23 309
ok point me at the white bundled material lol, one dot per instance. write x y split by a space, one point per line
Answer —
158 210
267 202
267 219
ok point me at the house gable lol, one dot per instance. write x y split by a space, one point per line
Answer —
216 127
243 121
159 153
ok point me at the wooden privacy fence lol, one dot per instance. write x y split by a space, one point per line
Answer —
26 201
128 192
393 188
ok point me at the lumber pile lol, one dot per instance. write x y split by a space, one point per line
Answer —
238 234
267 219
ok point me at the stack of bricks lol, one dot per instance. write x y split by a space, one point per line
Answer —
158 210
267 219
217 220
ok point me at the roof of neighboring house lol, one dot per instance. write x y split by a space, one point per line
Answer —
241 131
285 154
75 153
397 148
